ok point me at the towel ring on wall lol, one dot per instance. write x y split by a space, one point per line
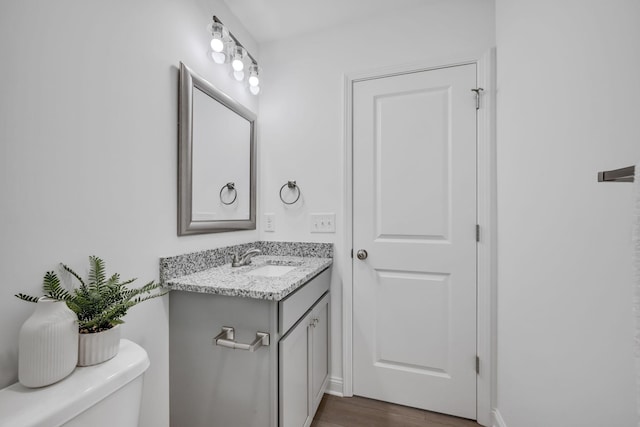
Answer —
292 186
231 187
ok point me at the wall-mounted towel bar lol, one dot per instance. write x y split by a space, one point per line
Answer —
618 175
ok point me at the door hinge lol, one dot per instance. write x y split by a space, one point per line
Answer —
477 232
478 365
351 253
478 92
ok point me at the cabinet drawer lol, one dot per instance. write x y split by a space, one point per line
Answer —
296 304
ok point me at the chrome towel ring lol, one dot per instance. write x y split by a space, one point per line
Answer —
230 186
292 186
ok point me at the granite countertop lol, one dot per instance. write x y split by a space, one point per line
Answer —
234 281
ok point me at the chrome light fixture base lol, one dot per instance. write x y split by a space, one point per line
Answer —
225 48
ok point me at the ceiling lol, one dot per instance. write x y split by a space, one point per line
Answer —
268 20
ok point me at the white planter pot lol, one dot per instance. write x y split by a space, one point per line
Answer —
47 344
98 347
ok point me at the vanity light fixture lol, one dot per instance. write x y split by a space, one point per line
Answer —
254 80
237 58
219 34
226 48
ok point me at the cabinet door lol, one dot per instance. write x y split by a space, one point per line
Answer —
319 352
294 375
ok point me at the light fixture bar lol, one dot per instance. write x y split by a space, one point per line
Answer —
235 40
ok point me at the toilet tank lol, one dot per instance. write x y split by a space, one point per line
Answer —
107 394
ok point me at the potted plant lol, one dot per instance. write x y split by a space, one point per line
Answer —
100 304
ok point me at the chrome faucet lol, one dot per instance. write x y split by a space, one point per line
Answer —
245 259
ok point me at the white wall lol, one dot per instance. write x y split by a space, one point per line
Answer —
88 152
568 106
301 125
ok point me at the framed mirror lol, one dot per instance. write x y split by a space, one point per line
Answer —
216 159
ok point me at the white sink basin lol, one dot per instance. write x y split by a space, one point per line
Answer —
271 270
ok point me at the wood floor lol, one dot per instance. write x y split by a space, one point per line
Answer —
360 412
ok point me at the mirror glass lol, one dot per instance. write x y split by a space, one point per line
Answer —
217 189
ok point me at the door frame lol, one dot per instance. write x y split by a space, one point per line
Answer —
486 218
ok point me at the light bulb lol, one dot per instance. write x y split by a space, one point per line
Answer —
218 32
217 44
253 75
219 57
254 89
238 75
238 56
237 64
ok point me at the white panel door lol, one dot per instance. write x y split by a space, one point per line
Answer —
414 213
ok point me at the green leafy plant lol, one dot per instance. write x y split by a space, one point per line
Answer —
99 302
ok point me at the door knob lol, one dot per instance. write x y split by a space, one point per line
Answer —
362 254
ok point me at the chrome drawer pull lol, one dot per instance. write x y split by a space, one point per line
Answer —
226 338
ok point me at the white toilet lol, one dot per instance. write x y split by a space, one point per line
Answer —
102 395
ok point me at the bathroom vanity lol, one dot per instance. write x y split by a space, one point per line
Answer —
249 345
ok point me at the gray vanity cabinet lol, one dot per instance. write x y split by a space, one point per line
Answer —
277 385
304 366
294 376
320 352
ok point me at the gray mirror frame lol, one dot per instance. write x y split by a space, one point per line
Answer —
186 226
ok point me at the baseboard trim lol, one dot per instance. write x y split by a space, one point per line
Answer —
335 387
498 421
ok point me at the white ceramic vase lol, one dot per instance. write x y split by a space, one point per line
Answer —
98 347
47 344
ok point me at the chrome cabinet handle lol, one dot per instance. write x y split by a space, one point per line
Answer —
226 338
362 254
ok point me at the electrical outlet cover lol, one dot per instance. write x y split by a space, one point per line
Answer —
269 222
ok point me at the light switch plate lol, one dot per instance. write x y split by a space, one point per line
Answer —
323 223
269 222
